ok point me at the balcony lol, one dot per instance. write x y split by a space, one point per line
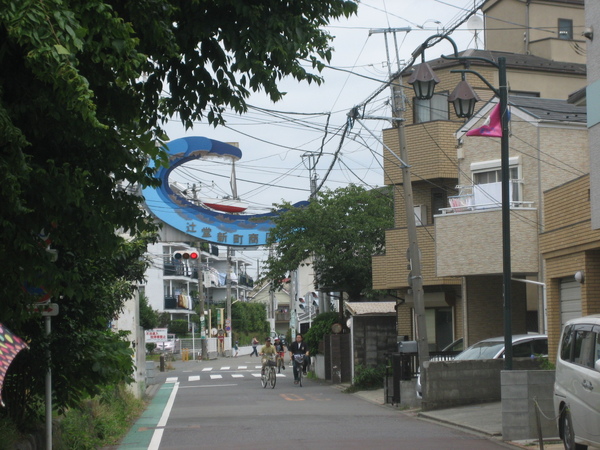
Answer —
468 234
282 317
179 270
185 302
485 196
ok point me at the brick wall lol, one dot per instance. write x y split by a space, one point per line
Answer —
485 308
569 244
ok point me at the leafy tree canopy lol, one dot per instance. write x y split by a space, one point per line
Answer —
85 90
338 232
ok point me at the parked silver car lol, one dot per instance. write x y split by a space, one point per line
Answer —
577 383
523 346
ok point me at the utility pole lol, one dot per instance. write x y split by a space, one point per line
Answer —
413 252
228 289
201 300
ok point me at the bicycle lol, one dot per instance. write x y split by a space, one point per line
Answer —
280 362
268 375
298 367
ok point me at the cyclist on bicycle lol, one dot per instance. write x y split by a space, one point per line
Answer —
280 351
299 348
269 353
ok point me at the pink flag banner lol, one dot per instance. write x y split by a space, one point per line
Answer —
492 126
10 345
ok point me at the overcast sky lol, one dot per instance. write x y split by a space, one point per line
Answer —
274 137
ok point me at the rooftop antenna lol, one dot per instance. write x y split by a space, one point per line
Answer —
475 26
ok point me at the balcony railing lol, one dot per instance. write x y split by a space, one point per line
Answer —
485 196
175 302
282 317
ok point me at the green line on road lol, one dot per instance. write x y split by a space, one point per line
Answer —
141 433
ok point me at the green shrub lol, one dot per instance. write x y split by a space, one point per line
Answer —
320 327
178 327
10 434
100 421
368 377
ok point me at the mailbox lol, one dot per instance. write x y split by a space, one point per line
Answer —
407 347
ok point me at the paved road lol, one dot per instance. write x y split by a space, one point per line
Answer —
221 404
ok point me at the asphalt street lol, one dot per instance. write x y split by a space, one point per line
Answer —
221 404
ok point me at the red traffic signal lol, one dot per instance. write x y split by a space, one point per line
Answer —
186 255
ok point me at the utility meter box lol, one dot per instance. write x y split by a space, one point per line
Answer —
407 347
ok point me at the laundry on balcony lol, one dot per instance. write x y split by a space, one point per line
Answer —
461 203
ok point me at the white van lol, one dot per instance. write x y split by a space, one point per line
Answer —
577 385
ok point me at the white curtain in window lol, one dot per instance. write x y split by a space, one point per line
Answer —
489 195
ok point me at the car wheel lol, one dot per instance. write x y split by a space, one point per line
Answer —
569 433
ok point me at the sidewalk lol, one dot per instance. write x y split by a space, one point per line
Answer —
483 419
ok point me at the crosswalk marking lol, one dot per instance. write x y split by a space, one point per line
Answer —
218 376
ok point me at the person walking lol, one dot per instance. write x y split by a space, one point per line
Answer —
236 349
254 345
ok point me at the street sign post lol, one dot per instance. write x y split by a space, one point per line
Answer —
48 309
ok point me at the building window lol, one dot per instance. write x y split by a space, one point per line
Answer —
429 110
487 182
565 29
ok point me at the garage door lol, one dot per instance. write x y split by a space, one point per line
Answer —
570 300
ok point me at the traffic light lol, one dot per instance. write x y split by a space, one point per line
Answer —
179 255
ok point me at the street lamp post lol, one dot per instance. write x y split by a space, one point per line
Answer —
463 99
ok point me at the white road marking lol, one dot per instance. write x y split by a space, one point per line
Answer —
242 367
215 377
194 378
225 368
157 435
207 369
237 375
171 380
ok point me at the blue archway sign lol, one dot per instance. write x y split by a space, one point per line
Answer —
196 220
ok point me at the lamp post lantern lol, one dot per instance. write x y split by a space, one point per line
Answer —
464 99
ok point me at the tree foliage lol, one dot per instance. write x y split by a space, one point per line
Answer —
85 91
320 327
148 316
249 318
338 232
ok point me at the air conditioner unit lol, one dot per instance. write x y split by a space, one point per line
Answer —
421 215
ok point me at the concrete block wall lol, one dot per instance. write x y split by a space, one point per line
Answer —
523 393
447 384
373 338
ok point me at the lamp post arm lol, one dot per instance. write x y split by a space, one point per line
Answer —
487 83
419 51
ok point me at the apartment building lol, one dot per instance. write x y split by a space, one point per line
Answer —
172 280
460 249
